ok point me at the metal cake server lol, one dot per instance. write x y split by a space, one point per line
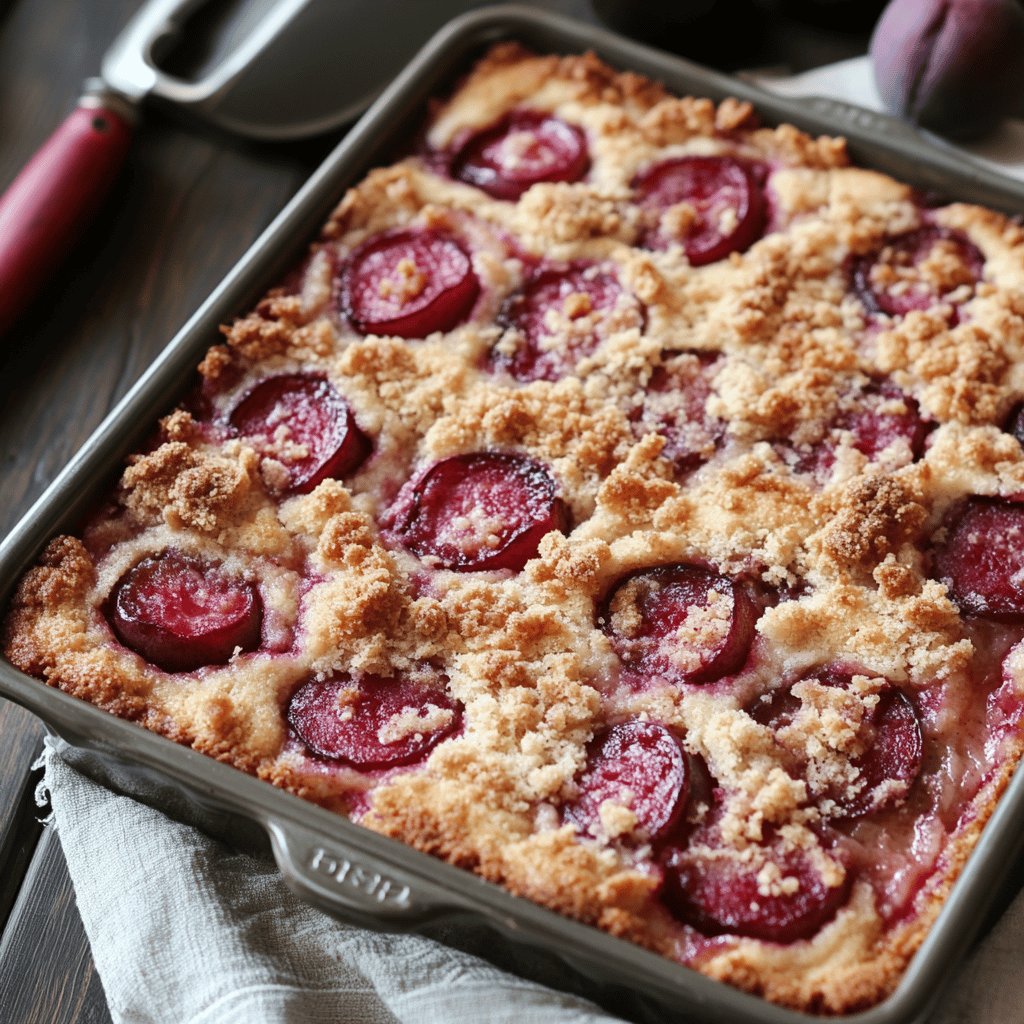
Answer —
285 69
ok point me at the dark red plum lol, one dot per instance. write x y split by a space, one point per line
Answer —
486 510
682 623
726 895
524 148
559 316
879 415
304 424
372 723
725 195
890 736
408 283
953 66
916 270
181 613
981 560
675 407
640 765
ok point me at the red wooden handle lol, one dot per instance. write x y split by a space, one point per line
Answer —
53 198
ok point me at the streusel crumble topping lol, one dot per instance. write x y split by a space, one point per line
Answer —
623 501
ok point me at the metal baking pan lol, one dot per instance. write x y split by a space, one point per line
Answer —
347 870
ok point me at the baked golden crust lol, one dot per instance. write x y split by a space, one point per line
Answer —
789 351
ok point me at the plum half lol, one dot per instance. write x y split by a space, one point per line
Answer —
181 613
640 766
408 284
522 149
682 623
481 511
559 316
373 722
726 895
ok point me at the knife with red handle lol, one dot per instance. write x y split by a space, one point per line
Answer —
63 186
57 194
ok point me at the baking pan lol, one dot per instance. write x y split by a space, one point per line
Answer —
347 870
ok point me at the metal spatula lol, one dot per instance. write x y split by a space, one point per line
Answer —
286 69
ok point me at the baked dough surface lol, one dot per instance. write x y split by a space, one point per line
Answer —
839 559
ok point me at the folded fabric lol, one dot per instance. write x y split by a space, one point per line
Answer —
185 930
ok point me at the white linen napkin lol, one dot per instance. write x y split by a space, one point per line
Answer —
187 931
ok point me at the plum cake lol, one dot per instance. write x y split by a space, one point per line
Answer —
622 500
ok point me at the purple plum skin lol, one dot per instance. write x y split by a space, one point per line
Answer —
955 67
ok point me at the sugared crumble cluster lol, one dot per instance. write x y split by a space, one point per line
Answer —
623 501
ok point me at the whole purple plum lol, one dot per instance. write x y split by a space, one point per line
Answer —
953 66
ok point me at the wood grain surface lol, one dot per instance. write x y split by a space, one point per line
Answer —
43 944
187 205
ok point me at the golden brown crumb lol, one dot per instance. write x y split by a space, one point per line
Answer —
747 463
873 516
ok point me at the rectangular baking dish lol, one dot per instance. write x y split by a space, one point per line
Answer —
340 867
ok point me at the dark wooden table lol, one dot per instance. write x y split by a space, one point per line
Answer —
187 206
